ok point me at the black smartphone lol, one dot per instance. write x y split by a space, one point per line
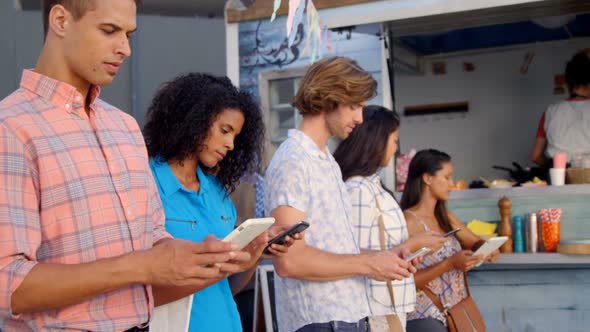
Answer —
280 239
451 232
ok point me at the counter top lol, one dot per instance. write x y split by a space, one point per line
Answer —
537 261
570 189
512 192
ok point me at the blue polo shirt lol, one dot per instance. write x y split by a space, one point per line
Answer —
192 216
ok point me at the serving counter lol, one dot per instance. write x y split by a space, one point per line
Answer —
482 204
532 292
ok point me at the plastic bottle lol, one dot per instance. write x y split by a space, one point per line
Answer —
517 235
532 233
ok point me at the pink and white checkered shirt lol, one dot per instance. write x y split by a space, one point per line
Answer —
75 188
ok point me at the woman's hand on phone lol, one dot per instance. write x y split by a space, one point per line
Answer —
278 250
429 239
255 249
465 261
494 256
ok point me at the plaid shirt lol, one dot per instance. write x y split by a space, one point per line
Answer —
75 188
363 191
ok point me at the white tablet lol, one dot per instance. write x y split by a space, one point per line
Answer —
248 231
490 245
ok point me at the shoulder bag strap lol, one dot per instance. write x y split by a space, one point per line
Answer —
436 300
382 241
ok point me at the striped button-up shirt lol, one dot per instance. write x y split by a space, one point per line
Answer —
363 192
75 188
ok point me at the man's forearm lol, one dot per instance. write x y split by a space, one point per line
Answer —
313 264
50 286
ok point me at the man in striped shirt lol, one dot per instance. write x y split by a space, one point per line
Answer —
82 237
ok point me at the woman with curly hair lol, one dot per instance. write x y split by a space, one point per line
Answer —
202 135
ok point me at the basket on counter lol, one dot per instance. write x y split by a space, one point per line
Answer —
577 175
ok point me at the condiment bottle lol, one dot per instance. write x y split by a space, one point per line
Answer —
517 223
532 233
505 227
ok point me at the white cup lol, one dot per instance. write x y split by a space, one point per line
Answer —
557 176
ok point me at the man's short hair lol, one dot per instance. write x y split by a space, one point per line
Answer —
331 82
77 7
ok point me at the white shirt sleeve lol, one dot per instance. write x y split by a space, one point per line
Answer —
287 184
364 214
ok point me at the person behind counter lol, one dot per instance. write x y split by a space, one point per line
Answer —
203 134
565 126
430 178
370 146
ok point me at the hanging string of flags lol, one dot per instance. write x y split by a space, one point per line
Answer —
315 34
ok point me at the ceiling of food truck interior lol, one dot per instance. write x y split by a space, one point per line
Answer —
501 26
499 35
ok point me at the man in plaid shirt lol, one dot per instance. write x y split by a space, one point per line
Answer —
82 226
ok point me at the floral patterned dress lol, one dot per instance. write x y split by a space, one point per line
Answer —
449 286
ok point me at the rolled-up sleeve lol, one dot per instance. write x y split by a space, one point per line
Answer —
287 185
19 217
364 214
158 216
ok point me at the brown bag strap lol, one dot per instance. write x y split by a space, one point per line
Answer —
382 243
466 284
436 300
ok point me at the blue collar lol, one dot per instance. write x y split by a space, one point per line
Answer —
170 184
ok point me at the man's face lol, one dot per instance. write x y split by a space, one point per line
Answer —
96 45
343 119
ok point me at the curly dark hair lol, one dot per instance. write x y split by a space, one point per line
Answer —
183 110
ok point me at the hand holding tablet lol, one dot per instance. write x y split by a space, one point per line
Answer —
489 246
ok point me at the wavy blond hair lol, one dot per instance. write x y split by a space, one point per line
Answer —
333 81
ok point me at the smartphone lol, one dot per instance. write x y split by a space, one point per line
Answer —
418 253
451 232
280 239
248 231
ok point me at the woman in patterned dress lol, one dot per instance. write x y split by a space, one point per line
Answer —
430 178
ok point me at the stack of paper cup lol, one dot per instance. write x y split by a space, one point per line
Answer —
550 223
557 173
